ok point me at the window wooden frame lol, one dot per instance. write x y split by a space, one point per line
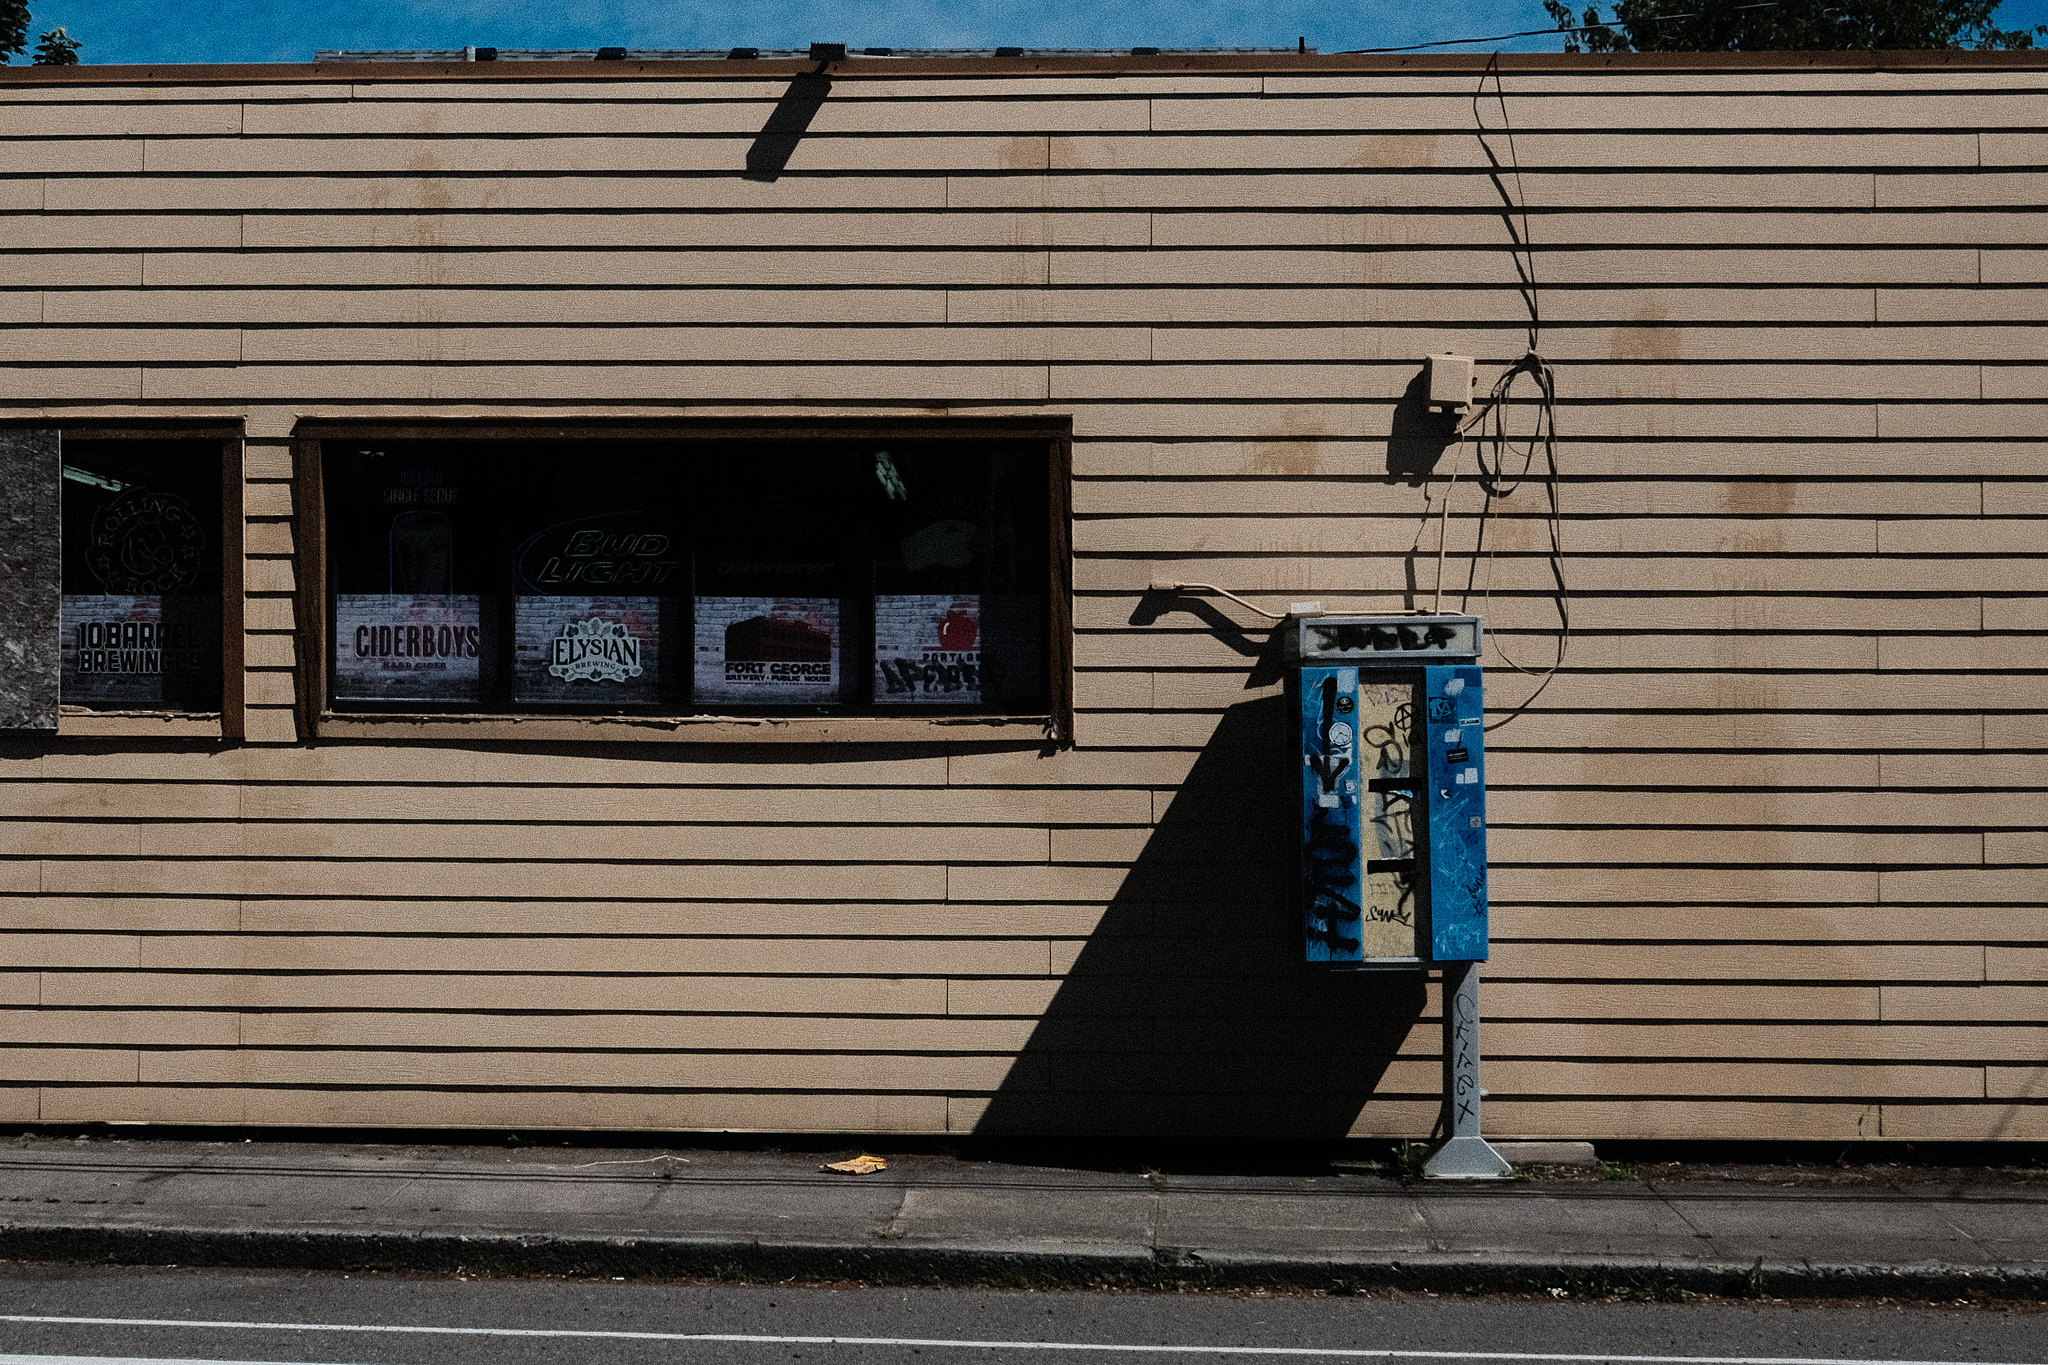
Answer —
81 722
317 721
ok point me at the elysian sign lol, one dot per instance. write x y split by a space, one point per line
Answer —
595 651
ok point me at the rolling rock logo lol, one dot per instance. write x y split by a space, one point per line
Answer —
595 651
145 543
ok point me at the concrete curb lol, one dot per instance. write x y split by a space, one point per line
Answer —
1073 1267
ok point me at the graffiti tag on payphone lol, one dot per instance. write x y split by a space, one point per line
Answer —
1331 861
1392 810
1387 731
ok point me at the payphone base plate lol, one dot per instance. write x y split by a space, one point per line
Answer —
1467 1158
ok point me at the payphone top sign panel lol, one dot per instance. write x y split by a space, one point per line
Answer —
1388 639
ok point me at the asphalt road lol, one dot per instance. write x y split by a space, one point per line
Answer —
136 1316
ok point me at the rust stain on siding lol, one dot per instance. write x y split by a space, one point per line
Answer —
1398 149
1760 497
1294 446
1027 153
1646 336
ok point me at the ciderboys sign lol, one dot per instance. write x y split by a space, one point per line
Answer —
408 647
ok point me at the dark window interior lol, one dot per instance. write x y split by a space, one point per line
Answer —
142 574
648 576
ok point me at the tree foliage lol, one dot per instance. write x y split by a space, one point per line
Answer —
13 29
57 48
1787 26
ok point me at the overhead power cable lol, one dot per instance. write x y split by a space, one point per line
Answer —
1486 427
1545 32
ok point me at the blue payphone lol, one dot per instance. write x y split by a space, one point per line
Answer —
1390 715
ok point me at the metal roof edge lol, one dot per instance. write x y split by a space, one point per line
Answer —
899 68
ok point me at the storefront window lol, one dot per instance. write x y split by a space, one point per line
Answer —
625 577
141 575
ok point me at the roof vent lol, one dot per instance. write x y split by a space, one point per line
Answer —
1009 52
611 54
743 54
828 52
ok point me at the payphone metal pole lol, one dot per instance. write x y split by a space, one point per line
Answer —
1465 1155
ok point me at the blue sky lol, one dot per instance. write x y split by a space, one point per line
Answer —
281 31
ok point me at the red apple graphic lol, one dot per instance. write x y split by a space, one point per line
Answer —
958 630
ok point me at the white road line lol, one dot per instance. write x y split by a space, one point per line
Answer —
120 1360
591 1334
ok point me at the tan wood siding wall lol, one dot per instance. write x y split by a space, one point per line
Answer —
1769 855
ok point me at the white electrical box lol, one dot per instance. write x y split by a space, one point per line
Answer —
1450 382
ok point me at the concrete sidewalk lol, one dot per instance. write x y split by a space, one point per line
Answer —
929 1218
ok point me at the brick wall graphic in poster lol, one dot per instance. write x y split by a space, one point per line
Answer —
928 650
598 651
408 647
767 651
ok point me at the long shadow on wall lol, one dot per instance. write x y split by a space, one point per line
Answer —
1189 1012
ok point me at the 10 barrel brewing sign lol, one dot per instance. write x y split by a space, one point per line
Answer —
139 650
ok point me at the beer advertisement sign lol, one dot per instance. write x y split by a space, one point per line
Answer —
140 650
408 647
588 650
928 650
766 651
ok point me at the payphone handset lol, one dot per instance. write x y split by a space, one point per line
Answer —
1393 853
